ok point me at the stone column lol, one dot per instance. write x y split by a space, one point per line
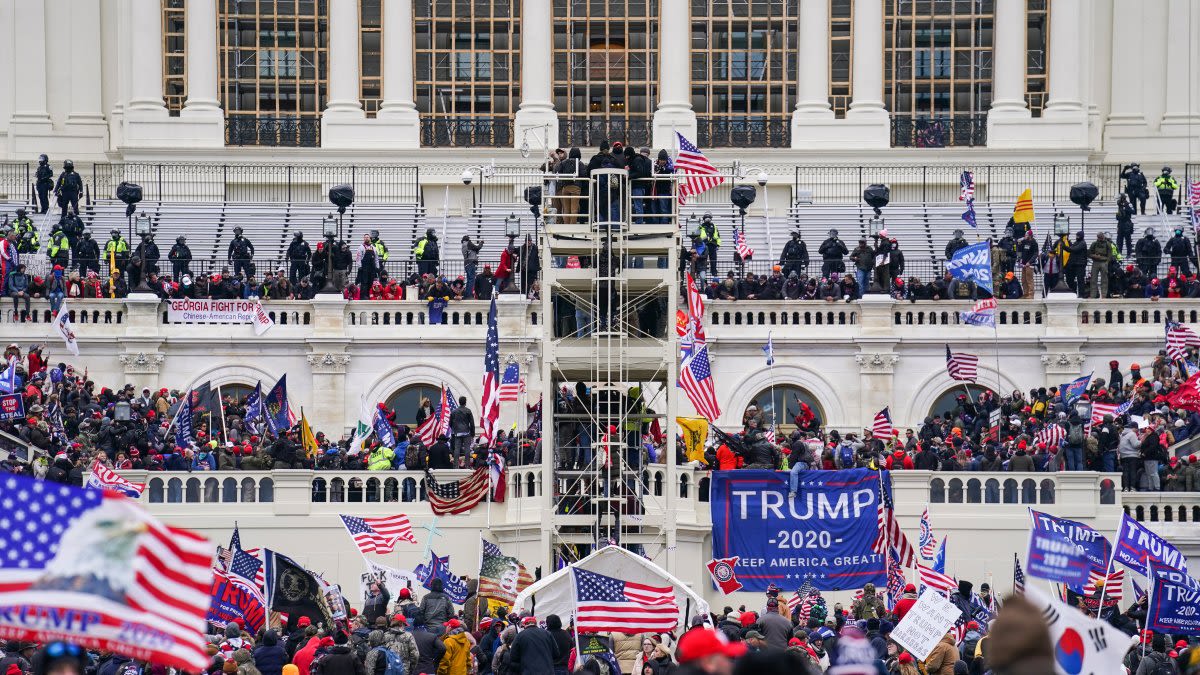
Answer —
674 112
1182 111
867 85
1128 63
537 74
30 116
812 81
344 60
146 83
86 75
398 108
202 121
1008 62
1066 55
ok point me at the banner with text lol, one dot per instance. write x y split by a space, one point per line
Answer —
220 311
1074 541
1175 605
926 623
235 598
823 534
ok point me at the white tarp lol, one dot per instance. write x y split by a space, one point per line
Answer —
554 594
220 311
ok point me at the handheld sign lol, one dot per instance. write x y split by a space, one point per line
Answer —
926 623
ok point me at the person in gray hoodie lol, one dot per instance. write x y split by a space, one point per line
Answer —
1129 454
16 286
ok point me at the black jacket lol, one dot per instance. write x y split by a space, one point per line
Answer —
439 456
534 652
240 248
299 250
69 184
339 660
180 253
462 420
833 249
431 650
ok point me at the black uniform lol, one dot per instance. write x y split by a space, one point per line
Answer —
150 249
87 255
1148 253
1180 249
241 255
45 183
794 257
181 258
299 255
1125 213
832 251
954 245
1136 186
68 189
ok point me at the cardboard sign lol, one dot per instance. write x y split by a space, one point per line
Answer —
925 624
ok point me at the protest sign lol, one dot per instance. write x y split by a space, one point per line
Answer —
393 578
203 310
926 623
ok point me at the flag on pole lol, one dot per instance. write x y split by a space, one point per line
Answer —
1072 390
1082 644
925 539
490 402
695 377
969 217
939 559
62 323
961 366
378 534
699 173
1052 435
1023 212
280 417
307 440
439 422
254 404
890 535
882 425
936 580
966 183
457 496
183 423
739 244
1111 585
246 565
500 576
383 429
801 595
895 579
8 381
1179 338
1018 576
439 568
606 604
769 350
511 384
104 478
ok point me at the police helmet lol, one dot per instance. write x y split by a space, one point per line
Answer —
299 235
21 212
115 233
958 234
429 232
68 165
1166 169
833 234
180 240
237 230
1149 232
87 234
43 158
708 215
374 234
148 237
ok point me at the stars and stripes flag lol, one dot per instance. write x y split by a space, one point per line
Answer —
1112 585
439 422
925 538
881 427
101 573
1099 410
490 402
497 572
797 600
806 607
696 380
248 566
895 580
605 604
691 332
961 366
966 183
699 173
1179 338
1018 576
512 385
890 535
936 580
1052 435
739 244
378 534
104 478
1194 193
457 496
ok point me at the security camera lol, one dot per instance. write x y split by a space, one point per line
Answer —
525 149
762 178
467 177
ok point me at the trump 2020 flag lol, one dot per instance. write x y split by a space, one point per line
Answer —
104 478
1138 549
1072 390
234 597
383 429
439 568
972 263
100 572
1174 606
279 411
1081 644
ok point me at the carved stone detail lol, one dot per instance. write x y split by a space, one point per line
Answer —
877 362
329 362
1063 362
140 362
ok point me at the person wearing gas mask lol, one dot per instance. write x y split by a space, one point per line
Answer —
87 255
1136 186
69 188
181 258
795 256
116 253
1166 186
1148 253
45 182
26 231
58 249
137 269
956 243
832 251
241 254
1180 249
1125 214
711 236
426 253
299 254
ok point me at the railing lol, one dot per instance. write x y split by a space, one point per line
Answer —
1163 507
925 270
590 132
294 132
373 183
940 183
400 269
466 132
939 131
811 315
16 181
749 132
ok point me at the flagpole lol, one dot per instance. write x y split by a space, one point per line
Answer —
479 598
575 616
1149 598
1103 590
221 409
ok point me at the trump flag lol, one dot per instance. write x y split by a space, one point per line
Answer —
100 572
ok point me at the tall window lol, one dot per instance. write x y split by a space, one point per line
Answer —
841 54
743 71
174 54
938 70
468 70
605 69
273 70
1036 41
370 83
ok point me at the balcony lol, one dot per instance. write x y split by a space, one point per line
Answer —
744 132
287 132
939 131
590 132
466 132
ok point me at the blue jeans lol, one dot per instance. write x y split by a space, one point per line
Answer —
638 192
582 319
469 268
1108 461
794 476
864 280
56 300
1074 457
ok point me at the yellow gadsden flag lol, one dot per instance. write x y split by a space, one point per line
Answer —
307 440
695 432
1023 213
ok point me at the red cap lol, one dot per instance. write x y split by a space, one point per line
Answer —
303 621
353 612
1173 654
405 594
910 588
452 624
972 625
529 621
794 642
905 657
701 642
485 623
1181 644
748 619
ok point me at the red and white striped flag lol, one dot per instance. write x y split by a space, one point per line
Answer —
105 478
457 496
609 605
696 380
962 366
1194 190
739 244
699 173
936 580
512 385
890 534
882 426
1052 435
1099 410
1179 338
1113 586
380 534
490 401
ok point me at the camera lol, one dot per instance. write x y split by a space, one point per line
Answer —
467 177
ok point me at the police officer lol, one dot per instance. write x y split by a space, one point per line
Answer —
149 249
795 255
26 231
711 236
299 253
72 226
87 255
955 244
1136 187
1008 244
116 252
181 258
1076 267
1180 249
1125 214
68 189
1166 186
1148 253
58 248
426 253
832 251
45 182
241 254
381 249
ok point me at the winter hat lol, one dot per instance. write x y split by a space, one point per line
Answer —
229 667
13 669
405 594
905 657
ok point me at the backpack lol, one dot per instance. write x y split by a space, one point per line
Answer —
846 456
395 665
1075 435
1162 664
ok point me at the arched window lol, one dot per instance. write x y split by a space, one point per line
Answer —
778 404
948 401
407 400
237 391
937 491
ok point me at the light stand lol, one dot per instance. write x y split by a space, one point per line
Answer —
1062 227
143 229
330 229
742 197
876 196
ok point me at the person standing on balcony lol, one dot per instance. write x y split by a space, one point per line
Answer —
1076 265
640 171
68 189
299 254
1148 253
368 263
1166 186
795 255
1101 254
1136 186
864 261
606 197
462 430
832 251
1181 251
426 253
181 257
1027 254
1125 214
116 253
470 254
567 200
149 249
45 183
381 250
530 263
87 255
664 188
711 238
58 249
240 253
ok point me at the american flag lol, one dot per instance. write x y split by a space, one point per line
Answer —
105 478
882 426
248 566
379 534
1052 435
608 605
1179 338
895 580
797 601
739 244
490 403
100 572
936 580
890 535
966 182
1194 190
1113 585
695 377
457 496
961 366
1099 410
439 422
512 385
1018 576
699 173
925 538
692 330
959 629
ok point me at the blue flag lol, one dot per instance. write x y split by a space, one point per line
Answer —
1071 391
383 430
939 558
8 381
1095 546
183 424
969 214
972 263
769 350
1138 548
439 568
1175 604
254 404
986 318
278 415
1057 558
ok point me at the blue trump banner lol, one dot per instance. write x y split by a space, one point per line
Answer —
823 535
972 263
1094 545
12 407
235 598
1138 548
278 412
1174 606
1056 558
383 430
1072 390
439 568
